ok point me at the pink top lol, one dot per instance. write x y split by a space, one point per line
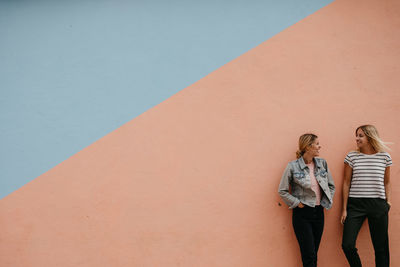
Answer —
314 184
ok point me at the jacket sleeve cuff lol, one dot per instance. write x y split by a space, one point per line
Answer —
295 204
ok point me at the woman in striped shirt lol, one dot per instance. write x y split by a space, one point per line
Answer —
366 194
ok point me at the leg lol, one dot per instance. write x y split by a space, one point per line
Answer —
318 228
352 225
304 234
378 227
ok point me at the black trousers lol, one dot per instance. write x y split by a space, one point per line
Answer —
376 210
308 225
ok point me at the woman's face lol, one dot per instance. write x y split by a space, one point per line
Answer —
314 148
361 139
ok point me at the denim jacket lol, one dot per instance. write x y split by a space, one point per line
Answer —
297 176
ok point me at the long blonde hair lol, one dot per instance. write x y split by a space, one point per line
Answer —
372 135
304 141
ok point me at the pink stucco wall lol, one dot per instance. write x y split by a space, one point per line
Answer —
193 181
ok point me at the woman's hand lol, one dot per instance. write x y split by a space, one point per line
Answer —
343 217
301 205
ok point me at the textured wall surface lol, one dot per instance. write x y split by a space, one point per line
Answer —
193 181
73 71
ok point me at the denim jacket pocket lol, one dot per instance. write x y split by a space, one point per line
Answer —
299 178
323 173
298 175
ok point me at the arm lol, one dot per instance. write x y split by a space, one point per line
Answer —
387 185
331 184
348 171
283 190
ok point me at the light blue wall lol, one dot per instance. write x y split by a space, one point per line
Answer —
73 71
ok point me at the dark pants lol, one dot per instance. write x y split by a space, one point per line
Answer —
376 210
308 224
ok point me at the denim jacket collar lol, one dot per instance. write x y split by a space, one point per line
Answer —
303 164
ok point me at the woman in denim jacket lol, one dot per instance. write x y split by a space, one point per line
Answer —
307 187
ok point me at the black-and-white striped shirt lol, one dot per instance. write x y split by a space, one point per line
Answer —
368 174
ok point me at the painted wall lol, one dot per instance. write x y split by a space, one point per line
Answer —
73 71
193 181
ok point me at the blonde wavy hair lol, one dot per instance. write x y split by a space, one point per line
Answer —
373 138
304 141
